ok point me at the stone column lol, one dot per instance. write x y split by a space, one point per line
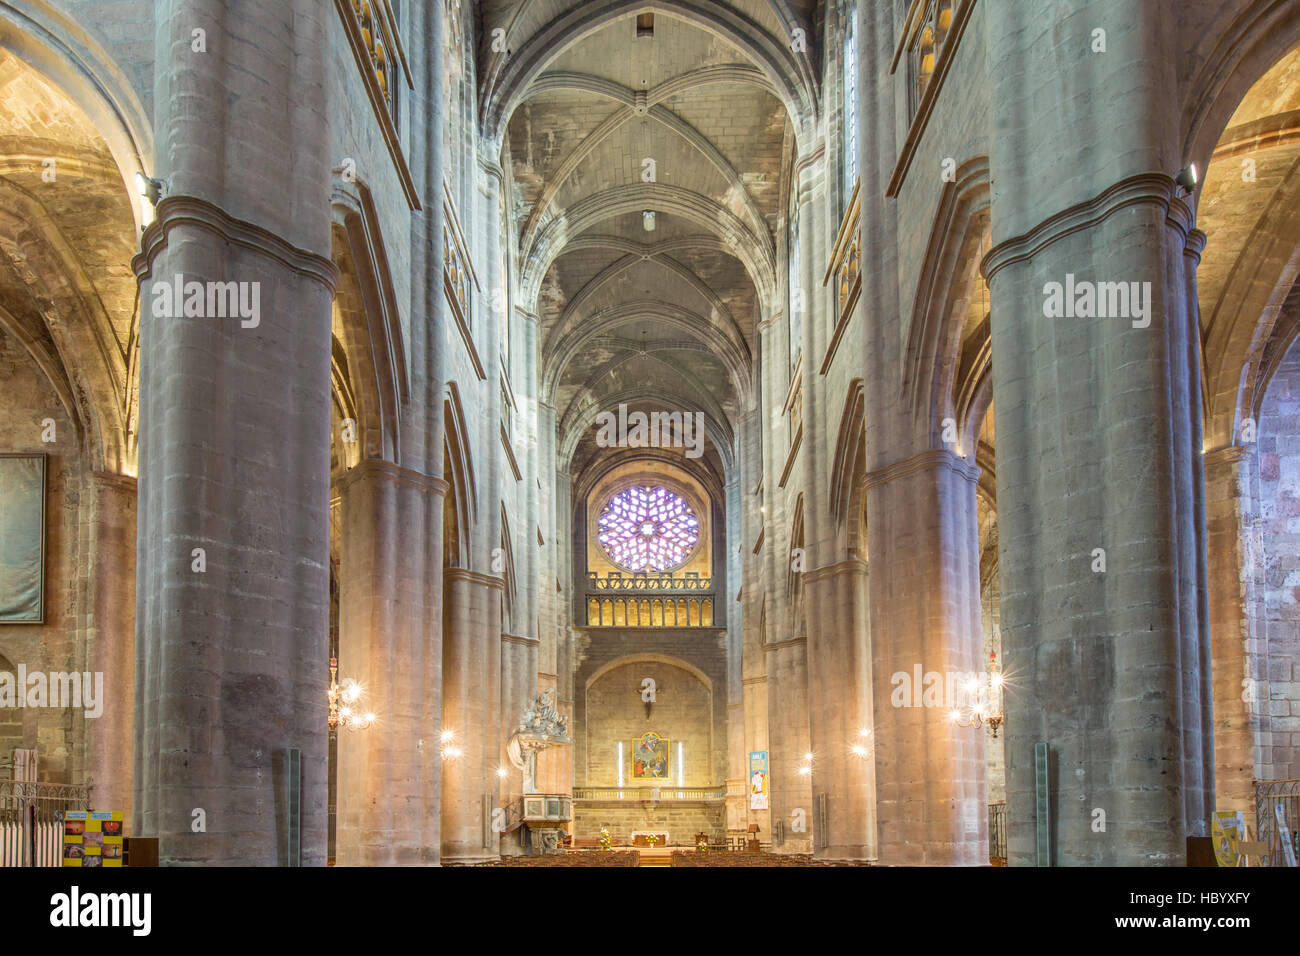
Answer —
923 550
558 664
518 690
110 636
390 641
839 708
1240 665
737 780
471 711
1097 424
787 735
232 603
753 663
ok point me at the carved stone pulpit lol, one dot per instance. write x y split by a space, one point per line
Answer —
540 747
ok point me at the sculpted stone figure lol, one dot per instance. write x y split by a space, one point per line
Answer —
541 717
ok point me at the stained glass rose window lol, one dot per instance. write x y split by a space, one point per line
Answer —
648 529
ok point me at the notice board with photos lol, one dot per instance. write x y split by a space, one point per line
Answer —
92 838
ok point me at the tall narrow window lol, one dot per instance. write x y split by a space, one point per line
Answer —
501 299
796 279
850 105
926 45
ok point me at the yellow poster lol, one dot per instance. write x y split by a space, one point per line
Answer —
92 838
1227 828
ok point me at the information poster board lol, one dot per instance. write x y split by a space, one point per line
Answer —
92 838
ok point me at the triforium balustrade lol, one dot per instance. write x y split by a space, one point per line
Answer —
643 600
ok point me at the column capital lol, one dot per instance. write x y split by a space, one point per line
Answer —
474 577
923 461
377 467
115 480
1143 189
175 211
1229 454
517 639
815 154
779 645
853 565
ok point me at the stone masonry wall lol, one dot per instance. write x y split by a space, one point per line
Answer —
1278 610
26 398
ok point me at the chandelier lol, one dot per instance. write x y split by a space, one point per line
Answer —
343 700
983 703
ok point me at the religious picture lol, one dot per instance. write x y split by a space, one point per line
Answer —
758 780
650 757
22 539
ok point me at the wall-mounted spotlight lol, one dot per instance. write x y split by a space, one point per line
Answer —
1187 178
648 220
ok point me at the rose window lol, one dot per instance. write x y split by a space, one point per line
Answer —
648 529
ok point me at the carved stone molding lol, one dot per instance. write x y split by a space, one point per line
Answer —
370 467
931 458
192 211
1143 189
851 566
474 577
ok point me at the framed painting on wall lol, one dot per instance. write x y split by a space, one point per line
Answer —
650 757
22 539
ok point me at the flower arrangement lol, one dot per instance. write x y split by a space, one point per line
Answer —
605 841
652 839
702 844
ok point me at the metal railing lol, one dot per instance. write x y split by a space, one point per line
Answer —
31 820
1276 799
649 793
998 832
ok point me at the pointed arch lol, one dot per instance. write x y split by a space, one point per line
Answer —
1235 53
1245 319
63 302
793 578
757 253
933 332
718 429
458 469
506 79
374 353
509 591
849 464
68 56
